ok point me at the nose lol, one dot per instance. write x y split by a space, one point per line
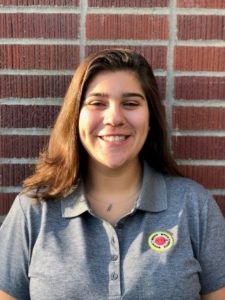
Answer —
114 115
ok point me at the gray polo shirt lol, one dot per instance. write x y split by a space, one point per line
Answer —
170 247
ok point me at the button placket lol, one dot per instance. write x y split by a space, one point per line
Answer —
114 257
114 263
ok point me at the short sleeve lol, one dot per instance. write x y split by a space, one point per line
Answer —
212 247
14 253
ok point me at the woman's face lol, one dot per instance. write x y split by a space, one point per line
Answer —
114 119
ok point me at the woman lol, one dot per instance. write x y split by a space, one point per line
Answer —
106 215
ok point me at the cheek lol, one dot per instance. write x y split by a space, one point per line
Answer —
143 121
84 119
88 122
82 125
144 126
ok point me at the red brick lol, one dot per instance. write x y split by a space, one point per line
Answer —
127 27
41 2
44 86
6 201
201 27
39 26
17 146
50 57
199 59
156 55
199 118
201 3
14 174
209 176
199 88
221 202
33 86
19 116
130 3
193 147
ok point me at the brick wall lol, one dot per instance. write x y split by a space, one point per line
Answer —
42 42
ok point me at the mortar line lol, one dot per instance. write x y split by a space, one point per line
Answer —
75 10
83 14
217 192
201 162
47 9
170 58
76 42
18 161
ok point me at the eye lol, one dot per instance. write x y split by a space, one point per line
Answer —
131 104
96 104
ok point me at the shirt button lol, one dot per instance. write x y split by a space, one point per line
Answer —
113 240
114 257
114 276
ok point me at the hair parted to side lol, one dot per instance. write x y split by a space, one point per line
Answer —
63 161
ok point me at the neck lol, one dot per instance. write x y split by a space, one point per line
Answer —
112 193
103 180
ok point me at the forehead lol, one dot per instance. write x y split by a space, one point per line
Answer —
121 79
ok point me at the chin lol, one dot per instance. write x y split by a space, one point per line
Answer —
113 165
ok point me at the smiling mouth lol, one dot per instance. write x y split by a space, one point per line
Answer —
114 138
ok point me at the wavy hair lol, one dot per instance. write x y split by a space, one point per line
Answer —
63 161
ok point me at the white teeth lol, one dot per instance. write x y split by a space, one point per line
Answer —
114 138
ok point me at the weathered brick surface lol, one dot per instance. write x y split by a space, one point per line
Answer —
14 174
199 118
39 25
6 202
195 147
41 2
33 86
17 146
199 88
127 27
212 177
130 3
49 57
27 68
20 116
199 59
201 3
201 27
156 55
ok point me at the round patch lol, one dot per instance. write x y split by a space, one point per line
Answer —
160 241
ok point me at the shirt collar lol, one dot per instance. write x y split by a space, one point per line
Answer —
153 195
75 204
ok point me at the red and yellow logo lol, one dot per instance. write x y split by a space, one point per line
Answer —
160 241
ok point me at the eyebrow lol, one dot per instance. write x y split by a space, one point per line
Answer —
129 95
124 95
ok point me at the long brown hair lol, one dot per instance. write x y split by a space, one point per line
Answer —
63 161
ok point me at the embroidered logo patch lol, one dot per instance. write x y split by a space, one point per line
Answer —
160 241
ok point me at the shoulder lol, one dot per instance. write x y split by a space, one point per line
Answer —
187 190
192 201
27 205
178 192
183 184
31 212
37 211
